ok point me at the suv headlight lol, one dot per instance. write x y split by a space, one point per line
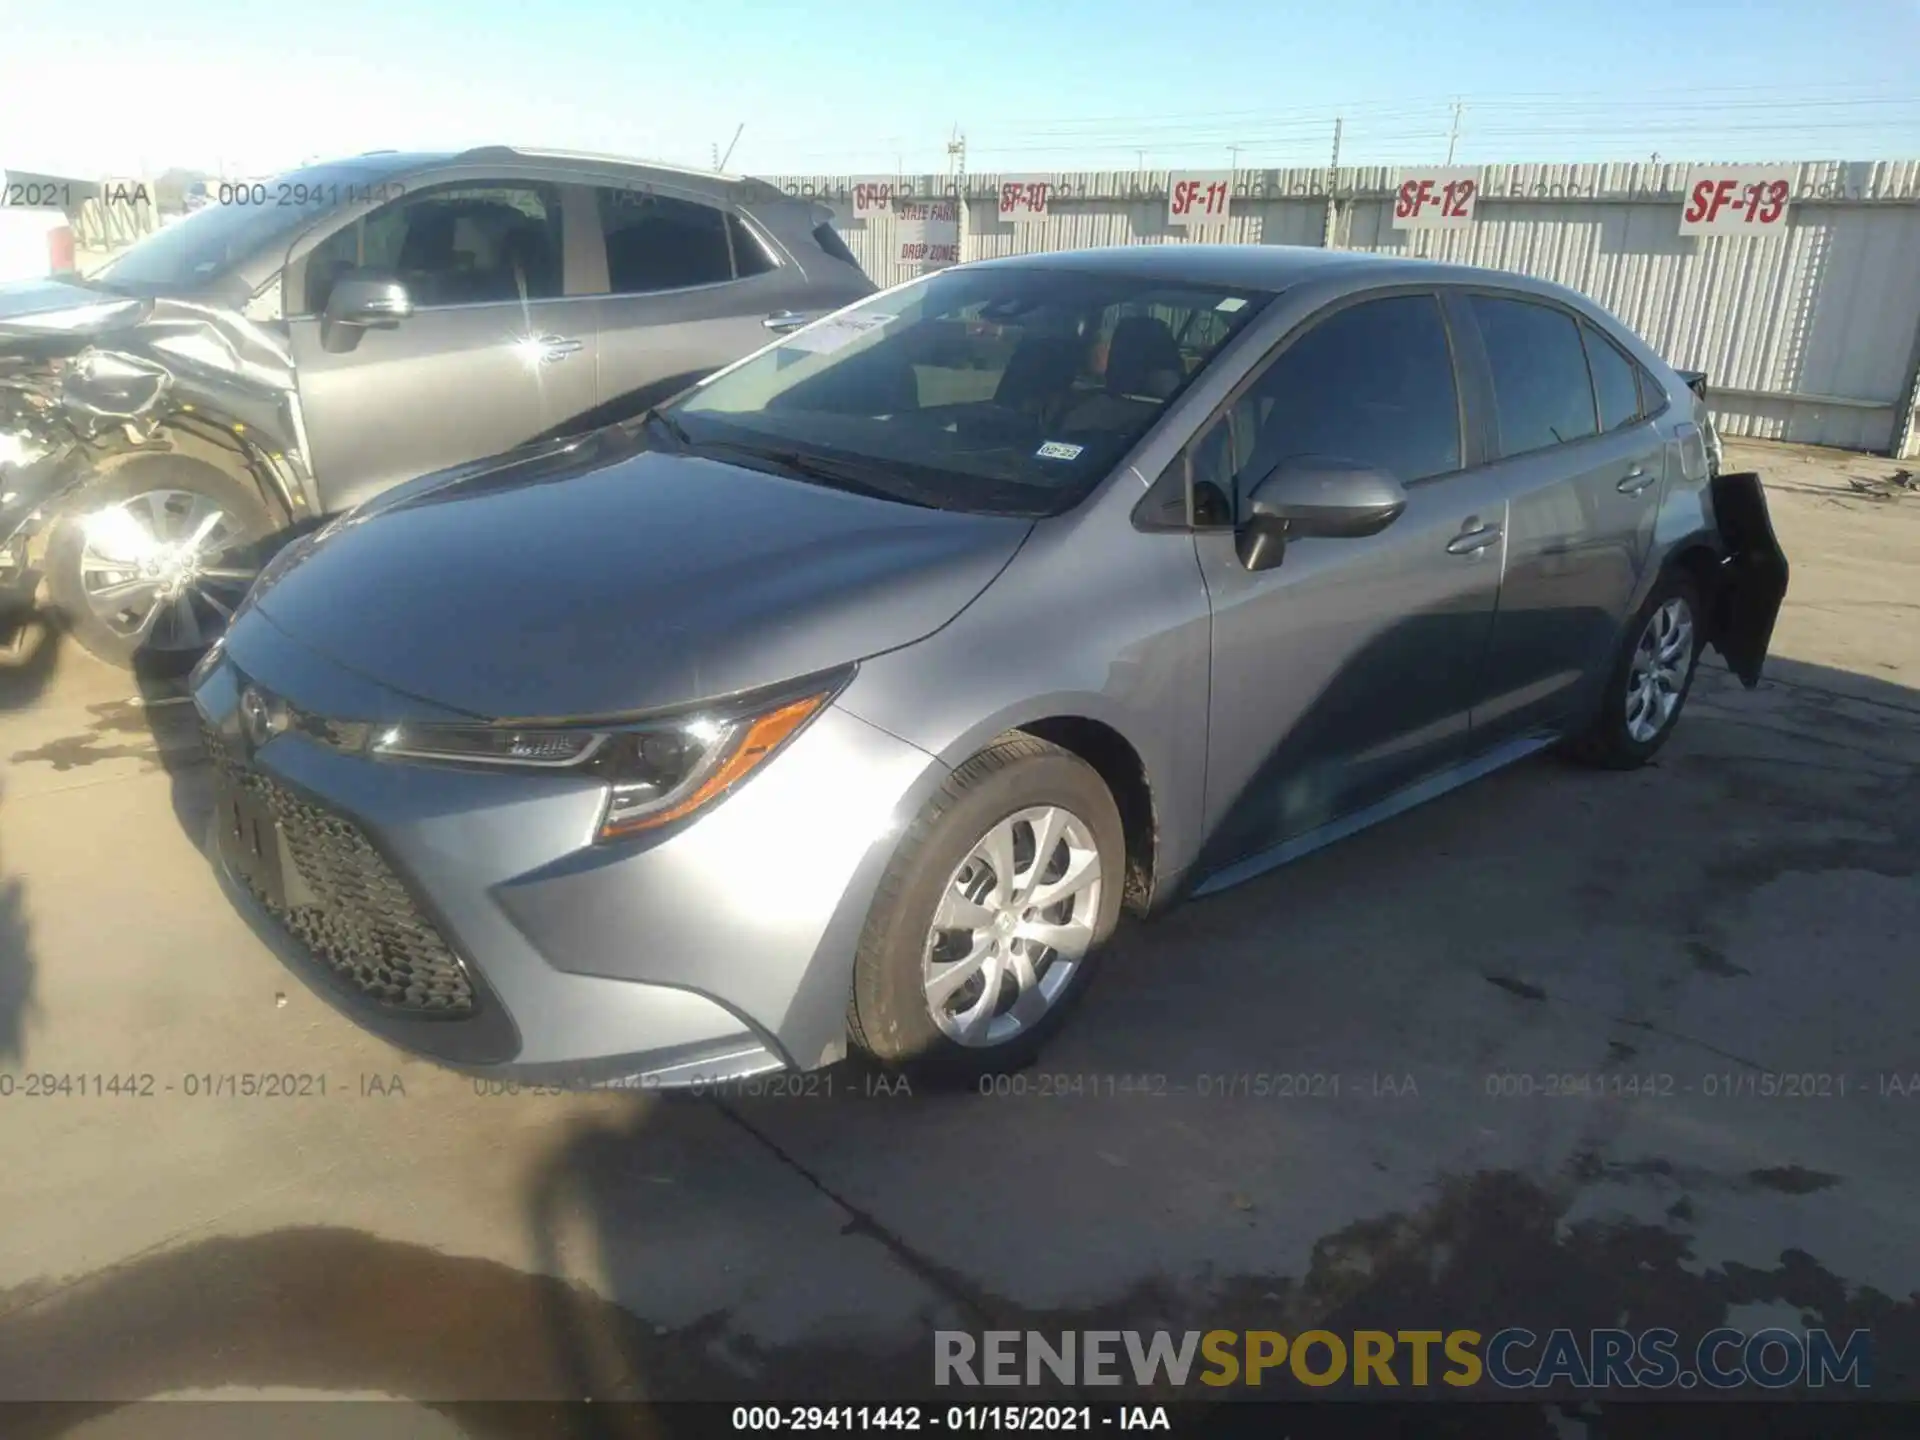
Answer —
656 771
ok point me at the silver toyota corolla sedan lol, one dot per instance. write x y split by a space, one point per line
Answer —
849 698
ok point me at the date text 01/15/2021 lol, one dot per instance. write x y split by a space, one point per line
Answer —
954 1418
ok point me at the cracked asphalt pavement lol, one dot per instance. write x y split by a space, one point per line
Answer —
1728 935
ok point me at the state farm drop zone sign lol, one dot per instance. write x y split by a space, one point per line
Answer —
927 232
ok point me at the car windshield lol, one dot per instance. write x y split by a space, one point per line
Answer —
238 219
1006 389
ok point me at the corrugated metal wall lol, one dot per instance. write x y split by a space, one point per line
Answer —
1812 335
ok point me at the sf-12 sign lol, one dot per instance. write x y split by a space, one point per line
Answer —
1023 198
1737 199
872 195
1440 199
929 234
1194 200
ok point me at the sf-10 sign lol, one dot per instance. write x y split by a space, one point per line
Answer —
1737 200
1439 199
1195 200
1023 198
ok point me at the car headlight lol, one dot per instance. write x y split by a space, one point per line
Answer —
656 772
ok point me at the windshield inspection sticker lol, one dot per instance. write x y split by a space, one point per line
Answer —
1058 450
1231 304
831 336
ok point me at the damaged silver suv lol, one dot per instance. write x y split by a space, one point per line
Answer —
301 344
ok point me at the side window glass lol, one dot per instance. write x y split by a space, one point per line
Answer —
1541 393
457 244
1614 381
656 242
1652 400
1372 383
749 255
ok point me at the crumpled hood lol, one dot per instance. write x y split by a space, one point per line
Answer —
596 579
92 310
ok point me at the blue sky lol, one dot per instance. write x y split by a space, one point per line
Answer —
118 86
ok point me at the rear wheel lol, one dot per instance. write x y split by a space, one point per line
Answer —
989 920
149 564
1650 681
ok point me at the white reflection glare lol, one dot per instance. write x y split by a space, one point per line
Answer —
705 730
531 351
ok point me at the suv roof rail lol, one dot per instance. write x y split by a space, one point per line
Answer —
745 187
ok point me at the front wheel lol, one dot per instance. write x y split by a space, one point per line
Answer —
989 920
150 562
1650 680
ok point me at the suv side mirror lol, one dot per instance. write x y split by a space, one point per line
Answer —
1315 495
367 300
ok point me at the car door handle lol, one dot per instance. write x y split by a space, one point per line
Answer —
554 348
1471 542
1635 480
781 321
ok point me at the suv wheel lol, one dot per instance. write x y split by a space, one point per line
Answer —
152 559
1650 680
991 916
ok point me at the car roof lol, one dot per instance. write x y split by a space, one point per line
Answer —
1254 267
1274 268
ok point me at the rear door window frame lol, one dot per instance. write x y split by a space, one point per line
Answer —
735 226
1497 451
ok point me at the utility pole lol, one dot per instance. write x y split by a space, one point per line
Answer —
720 161
1139 160
1453 136
1233 157
1332 231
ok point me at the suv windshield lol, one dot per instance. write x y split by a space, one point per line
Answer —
1005 390
239 219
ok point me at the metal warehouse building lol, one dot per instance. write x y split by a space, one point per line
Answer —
1809 334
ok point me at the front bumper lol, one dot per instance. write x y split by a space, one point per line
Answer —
714 951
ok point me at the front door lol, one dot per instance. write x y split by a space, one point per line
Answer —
1348 671
493 355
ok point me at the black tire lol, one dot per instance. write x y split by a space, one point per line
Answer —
1608 743
889 1017
129 478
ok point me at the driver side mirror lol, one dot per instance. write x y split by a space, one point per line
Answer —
1314 496
367 301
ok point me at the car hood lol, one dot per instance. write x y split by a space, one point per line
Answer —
601 579
82 309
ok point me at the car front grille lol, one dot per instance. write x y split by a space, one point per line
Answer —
350 910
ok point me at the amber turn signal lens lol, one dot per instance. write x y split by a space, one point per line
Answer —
761 739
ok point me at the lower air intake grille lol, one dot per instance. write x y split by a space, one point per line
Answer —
349 908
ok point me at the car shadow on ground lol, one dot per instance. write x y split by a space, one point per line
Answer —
1316 967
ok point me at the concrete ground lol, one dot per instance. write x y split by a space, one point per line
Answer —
1745 908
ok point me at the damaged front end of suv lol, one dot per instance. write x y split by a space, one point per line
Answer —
150 453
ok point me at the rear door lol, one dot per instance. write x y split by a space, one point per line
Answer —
684 286
1348 671
1581 468
494 354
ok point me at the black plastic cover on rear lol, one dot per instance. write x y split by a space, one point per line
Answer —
1754 581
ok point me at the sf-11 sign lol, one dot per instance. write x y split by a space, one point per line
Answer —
1023 198
1737 199
1194 200
1439 199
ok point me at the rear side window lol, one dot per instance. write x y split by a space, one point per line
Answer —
1615 381
658 242
749 255
1372 383
1541 393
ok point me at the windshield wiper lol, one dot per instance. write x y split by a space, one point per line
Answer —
656 416
812 467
